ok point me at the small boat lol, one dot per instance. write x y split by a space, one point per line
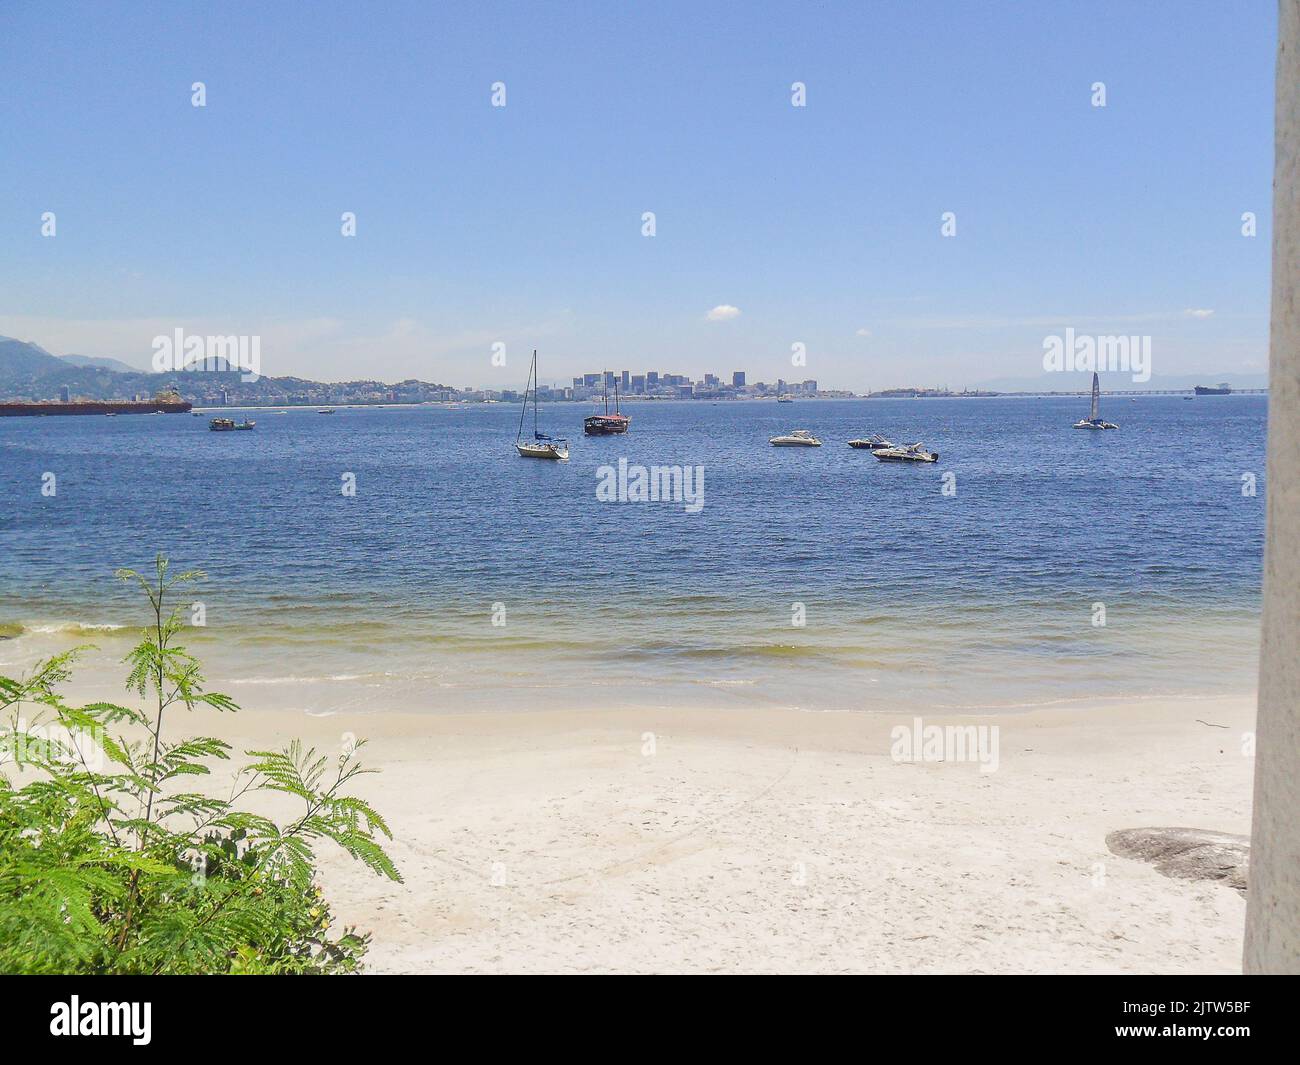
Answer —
221 425
1093 421
540 446
113 414
785 398
327 410
906 453
282 412
245 424
798 438
607 424
874 442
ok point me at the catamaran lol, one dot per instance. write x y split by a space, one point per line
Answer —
1093 421
607 424
540 446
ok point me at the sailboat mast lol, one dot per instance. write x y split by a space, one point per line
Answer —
604 375
534 393
1096 397
524 408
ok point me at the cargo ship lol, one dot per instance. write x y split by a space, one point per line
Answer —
1221 389
162 403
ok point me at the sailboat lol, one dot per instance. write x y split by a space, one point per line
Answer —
1093 421
540 446
607 424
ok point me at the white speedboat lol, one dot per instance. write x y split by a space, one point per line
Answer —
799 438
1093 421
874 442
786 398
906 453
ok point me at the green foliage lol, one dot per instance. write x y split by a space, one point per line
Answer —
110 862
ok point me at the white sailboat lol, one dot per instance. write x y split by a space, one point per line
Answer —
1093 421
540 446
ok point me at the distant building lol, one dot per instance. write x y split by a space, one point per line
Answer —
638 384
738 379
652 379
627 381
65 394
590 380
810 386
711 380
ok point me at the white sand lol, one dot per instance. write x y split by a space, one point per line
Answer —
761 841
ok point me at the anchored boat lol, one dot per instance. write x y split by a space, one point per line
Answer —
1093 421
798 438
607 424
906 453
540 446
874 442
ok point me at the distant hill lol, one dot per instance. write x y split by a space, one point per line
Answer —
29 372
97 362
19 358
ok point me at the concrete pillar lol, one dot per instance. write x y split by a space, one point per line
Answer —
1273 896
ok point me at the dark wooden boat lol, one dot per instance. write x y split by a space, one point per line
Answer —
607 424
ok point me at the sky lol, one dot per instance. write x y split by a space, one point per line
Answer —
774 225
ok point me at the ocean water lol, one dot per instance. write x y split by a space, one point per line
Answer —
821 579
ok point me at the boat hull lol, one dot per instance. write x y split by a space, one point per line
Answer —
19 410
606 424
541 451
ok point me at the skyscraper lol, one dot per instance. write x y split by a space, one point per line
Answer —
738 379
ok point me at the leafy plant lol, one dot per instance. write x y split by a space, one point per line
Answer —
112 862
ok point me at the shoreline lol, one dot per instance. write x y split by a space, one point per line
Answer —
762 840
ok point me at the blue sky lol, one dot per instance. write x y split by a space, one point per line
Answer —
523 225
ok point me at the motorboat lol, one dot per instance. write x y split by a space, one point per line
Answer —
874 442
1093 421
798 438
786 398
326 410
906 453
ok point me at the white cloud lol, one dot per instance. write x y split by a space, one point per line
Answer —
1197 313
864 332
723 312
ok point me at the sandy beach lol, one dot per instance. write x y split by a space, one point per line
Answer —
777 841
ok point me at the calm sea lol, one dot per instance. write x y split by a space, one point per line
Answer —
462 577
